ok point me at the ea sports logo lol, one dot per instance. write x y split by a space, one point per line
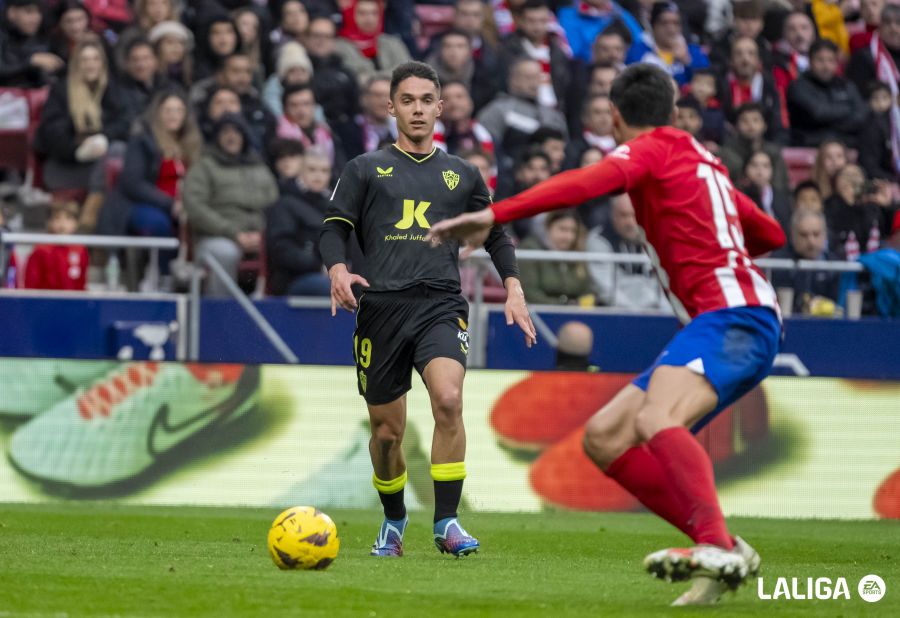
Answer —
871 588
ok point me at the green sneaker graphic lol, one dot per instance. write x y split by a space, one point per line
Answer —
31 385
127 421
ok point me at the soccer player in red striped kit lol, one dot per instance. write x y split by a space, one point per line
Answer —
700 234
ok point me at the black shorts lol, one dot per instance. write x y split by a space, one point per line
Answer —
396 331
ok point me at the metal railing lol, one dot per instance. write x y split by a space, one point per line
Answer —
152 243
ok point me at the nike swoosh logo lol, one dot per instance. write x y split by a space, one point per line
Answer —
163 435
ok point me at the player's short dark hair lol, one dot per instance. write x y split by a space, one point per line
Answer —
414 68
804 185
749 108
293 89
822 44
280 148
644 96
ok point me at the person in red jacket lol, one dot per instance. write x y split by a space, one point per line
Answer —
58 267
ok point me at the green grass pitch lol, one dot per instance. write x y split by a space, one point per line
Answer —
91 559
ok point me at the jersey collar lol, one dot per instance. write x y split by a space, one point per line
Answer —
412 158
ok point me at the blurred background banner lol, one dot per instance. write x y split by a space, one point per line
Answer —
217 434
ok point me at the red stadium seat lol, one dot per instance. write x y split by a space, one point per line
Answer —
800 163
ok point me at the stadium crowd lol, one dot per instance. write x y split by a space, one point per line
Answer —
227 122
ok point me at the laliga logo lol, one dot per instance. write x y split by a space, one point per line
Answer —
871 589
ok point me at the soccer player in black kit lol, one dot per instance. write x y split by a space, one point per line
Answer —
411 314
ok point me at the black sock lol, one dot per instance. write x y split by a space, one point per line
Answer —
446 498
394 508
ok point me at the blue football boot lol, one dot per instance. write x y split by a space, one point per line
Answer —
390 538
451 538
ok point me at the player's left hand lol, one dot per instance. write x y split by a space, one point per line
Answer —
517 311
471 227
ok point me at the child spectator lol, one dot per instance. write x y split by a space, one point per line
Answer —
808 197
58 267
750 123
757 182
688 117
287 158
875 152
703 88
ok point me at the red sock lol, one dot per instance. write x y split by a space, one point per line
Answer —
690 474
638 471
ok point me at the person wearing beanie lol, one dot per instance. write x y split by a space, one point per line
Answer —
666 46
292 67
173 44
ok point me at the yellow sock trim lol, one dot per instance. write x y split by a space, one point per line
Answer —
449 471
390 487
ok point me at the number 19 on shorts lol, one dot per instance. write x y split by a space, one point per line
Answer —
362 351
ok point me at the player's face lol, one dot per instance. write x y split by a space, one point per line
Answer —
416 105
808 237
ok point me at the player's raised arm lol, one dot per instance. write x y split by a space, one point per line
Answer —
762 233
341 219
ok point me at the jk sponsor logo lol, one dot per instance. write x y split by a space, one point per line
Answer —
870 589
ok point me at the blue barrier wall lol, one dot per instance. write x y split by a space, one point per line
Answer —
99 328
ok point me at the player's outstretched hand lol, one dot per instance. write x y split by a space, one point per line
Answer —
342 281
471 227
517 311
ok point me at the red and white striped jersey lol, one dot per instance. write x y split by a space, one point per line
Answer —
697 229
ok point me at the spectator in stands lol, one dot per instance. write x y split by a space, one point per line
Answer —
876 155
629 286
373 124
703 88
333 82
363 46
254 43
299 122
173 44
147 200
746 82
750 125
512 118
293 67
584 21
610 47
808 197
453 62
553 144
666 46
225 196
821 104
532 166
147 14
457 127
593 213
861 69
596 132
748 22
808 242
82 119
292 230
222 100
471 17
286 156
791 57
688 117
485 163
293 23
831 157
857 213
869 20
73 22
757 182
139 79
25 57
575 341
217 40
58 267
533 39
557 283
600 78
237 74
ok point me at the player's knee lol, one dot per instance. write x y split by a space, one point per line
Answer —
649 420
447 406
601 440
387 435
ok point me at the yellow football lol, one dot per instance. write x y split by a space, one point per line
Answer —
303 537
